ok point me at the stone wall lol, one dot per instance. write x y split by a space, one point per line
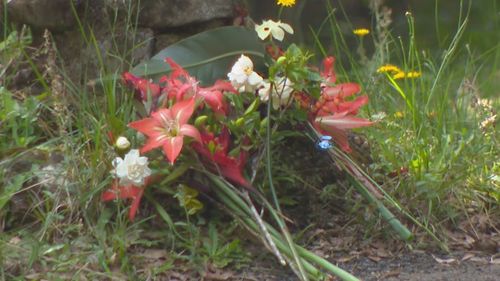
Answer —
111 35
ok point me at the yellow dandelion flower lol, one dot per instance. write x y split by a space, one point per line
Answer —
399 114
286 3
399 75
361 32
389 68
413 74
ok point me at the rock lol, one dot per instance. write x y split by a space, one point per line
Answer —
164 14
117 49
144 45
51 14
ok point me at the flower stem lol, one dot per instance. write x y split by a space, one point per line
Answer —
279 219
241 211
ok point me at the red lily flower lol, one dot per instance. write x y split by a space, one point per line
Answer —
167 128
126 192
333 115
230 167
332 100
336 125
142 86
214 97
180 85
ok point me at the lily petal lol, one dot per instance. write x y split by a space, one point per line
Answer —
152 143
182 110
145 126
190 130
278 34
136 201
351 107
263 30
172 148
343 90
342 121
328 72
286 27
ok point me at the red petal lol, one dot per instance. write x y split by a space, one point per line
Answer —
234 174
343 90
352 107
130 79
136 201
146 126
109 195
214 99
328 72
132 192
163 115
190 130
172 148
182 110
221 85
145 87
339 136
177 70
342 121
153 143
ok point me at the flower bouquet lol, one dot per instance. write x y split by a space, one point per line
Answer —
219 130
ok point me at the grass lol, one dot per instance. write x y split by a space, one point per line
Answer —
433 125
429 149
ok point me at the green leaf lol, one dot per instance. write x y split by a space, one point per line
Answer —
208 56
12 188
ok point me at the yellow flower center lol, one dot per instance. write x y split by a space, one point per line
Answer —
361 32
248 70
168 127
286 3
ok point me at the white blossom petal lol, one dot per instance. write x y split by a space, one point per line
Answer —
286 27
254 79
278 34
133 169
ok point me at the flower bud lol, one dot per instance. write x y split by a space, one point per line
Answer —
281 60
122 143
200 121
240 122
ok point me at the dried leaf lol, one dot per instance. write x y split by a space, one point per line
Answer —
154 254
480 260
444 261
468 256
345 259
393 273
374 258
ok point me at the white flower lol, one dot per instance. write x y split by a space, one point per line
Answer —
131 170
281 92
276 29
122 143
242 76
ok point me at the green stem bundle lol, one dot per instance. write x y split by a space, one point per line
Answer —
242 211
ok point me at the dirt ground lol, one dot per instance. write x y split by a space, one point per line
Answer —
425 267
416 266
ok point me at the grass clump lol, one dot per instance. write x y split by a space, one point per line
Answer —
436 145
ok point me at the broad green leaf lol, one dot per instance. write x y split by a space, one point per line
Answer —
208 56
